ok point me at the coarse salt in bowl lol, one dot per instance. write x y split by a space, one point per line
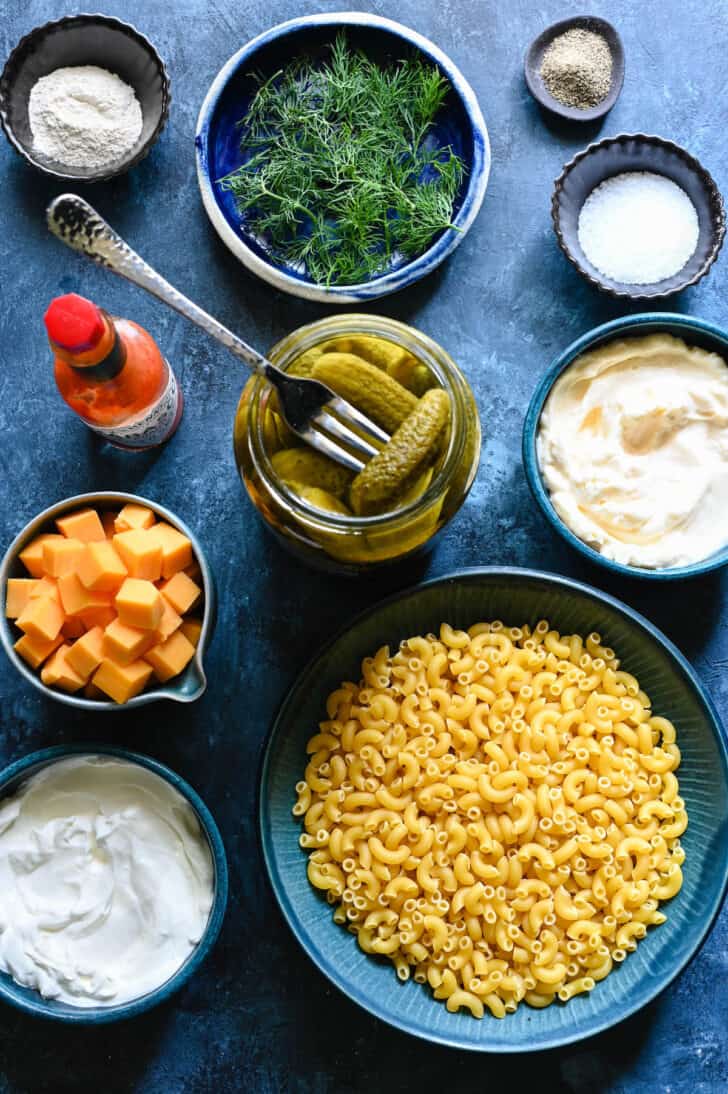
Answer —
635 154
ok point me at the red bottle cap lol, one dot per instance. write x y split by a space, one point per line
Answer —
74 323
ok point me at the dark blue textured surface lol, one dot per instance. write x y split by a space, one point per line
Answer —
259 1017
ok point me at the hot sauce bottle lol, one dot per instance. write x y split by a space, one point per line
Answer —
111 373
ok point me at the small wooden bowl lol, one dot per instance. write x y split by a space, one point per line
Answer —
534 57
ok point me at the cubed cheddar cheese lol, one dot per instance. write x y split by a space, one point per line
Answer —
122 682
73 627
97 617
139 604
176 548
17 595
100 568
134 516
140 553
76 598
43 618
125 644
61 556
32 555
192 629
169 658
46 586
34 651
181 592
83 525
58 673
87 653
169 622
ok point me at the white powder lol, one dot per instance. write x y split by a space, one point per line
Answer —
84 117
638 228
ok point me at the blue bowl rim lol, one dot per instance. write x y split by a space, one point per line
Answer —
385 283
625 325
263 828
42 1008
166 691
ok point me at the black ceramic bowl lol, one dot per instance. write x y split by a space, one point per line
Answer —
534 57
638 152
84 40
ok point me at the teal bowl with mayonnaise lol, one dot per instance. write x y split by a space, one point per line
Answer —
625 446
113 883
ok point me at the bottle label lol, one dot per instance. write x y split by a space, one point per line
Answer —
153 426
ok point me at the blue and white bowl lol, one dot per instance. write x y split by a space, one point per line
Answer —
31 1001
696 332
218 152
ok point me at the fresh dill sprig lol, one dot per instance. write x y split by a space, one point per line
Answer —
342 175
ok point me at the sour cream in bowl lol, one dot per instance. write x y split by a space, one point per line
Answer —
113 883
626 446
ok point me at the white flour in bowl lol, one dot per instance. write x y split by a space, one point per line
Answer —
83 117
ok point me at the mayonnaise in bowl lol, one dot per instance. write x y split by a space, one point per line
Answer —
633 449
106 881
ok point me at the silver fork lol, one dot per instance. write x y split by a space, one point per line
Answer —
312 410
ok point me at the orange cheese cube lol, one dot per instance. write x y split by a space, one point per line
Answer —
73 628
17 595
134 516
125 644
46 586
100 568
170 657
140 553
83 525
43 618
121 682
176 548
100 616
139 604
61 556
34 651
108 518
32 555
76 599
169 622
191 629
58 673
181 591
87 653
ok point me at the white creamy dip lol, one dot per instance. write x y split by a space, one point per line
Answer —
633 447
106 881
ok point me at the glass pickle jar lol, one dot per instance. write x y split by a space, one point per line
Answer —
338 541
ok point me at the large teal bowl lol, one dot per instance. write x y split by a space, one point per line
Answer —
696 332
31 1001
516 596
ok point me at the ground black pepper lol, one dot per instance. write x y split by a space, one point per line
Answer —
577 68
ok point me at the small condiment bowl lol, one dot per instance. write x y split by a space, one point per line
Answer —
31 1001
460 125
84 40
186 687
638 152
693 331
534 58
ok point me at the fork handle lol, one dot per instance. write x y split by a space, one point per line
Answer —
81 228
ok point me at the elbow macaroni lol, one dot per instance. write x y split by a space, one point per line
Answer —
496 811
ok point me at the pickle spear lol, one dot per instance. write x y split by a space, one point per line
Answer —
366 387
408 451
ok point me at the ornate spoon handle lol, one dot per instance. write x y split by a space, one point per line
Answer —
80 227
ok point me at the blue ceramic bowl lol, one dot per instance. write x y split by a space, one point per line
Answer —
186 687
217 143
29 1000
515 596
696 332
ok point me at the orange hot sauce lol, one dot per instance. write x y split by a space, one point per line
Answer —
111 373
